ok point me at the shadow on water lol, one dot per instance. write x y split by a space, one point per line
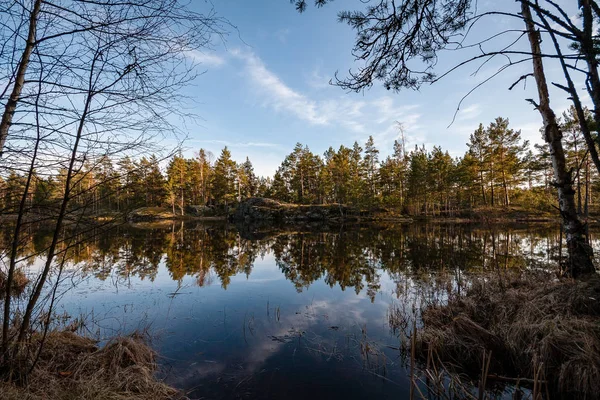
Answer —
281 313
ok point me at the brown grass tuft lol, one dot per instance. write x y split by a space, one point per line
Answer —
20 280
74 367
526 322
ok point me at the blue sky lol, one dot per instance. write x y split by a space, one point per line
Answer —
266 88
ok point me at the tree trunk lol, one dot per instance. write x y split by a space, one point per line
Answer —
482 188
15 95
587 189
578 184
181 202
505 186
588 49
579 252
492 195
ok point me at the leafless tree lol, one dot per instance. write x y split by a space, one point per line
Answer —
84 80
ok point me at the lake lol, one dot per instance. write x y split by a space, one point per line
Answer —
286 313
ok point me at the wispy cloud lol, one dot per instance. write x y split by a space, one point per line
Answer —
282 34
362 117
276 93
208 59
317 80
237 144
531 131
468 113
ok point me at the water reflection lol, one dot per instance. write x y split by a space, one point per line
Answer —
348 258
278 314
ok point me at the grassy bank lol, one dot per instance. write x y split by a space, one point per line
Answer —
520 329
73 367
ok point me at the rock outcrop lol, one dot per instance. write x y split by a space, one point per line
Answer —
259 209
150 214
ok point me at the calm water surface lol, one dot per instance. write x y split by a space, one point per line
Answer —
282 314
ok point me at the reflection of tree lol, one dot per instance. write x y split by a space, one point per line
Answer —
338 257
353 258
194 252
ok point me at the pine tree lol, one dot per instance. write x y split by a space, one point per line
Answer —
370 167
108 179
507 149
128 178
178 179
224 179
249 181
357 177
440 174
156 184
418 190
480 158
15 185
205 170
577 157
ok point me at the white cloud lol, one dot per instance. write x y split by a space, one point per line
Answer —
317 80
468 113
238 144
208 59
276 93
282 35
361 117
530 131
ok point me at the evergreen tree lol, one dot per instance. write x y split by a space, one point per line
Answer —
370 164
15 185
507 149
578 157
480 160
224 179
108 179
205 174
357 183
155 184
248 180
297 179
178 181
440 174
418 190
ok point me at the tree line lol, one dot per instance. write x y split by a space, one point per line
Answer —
499 169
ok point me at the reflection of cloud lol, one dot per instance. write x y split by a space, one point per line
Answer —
319 313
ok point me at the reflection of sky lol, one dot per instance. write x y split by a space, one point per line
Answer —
233 341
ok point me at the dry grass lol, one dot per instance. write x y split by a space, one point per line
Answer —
73 367
529 323
20 280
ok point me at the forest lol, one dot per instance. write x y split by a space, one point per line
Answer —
499 169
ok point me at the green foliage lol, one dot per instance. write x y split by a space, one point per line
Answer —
224 179
297 179
499 169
